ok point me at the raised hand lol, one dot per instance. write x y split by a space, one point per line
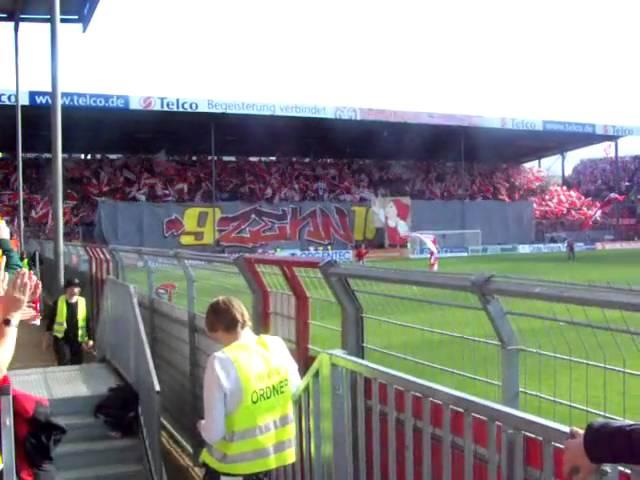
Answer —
18 294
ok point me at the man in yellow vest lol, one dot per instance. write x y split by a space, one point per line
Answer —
68 323
248 424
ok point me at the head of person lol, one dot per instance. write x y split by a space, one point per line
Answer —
225 320
72 288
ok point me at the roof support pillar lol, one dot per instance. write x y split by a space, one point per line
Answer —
563 159
56 150
16 30
213 163
618 188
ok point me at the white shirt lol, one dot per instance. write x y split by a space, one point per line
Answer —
222 389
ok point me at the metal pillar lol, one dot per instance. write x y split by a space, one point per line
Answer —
539 163
563 157
617 188
462 158
508 338
16 29
56 149
213 163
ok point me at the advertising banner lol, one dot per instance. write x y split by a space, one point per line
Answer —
219 105
228 224
337 255
82 100
572 127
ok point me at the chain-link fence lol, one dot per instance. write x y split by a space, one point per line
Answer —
565 352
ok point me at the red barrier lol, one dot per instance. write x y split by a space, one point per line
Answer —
99 270
287 266
532 447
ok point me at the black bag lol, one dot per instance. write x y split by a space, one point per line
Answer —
119 410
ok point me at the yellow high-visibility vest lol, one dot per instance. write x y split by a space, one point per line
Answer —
260 433
25 264
60 325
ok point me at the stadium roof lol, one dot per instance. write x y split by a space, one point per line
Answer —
38 11
92 130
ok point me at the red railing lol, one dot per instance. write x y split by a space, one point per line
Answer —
301 298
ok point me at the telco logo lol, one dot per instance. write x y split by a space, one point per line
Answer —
166 103
523 124
616 131
7 98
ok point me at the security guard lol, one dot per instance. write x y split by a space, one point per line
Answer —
24 259
69 323
248 424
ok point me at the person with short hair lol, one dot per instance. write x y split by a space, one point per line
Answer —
249 423
69 325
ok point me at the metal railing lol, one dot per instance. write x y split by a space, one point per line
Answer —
364 421
565 352
8 461
123 342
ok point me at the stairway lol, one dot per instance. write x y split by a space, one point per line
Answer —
89 451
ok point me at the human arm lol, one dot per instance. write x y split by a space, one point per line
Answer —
13 307
292 368
613 442
50 316
212 427
602 442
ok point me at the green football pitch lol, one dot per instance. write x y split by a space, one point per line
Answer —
418 331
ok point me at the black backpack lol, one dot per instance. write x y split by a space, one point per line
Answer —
119 410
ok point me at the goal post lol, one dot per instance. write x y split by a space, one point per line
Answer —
445 239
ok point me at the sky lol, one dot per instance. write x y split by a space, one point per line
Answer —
570 60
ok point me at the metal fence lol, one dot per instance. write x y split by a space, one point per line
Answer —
122 341
564 352
368 422
8 460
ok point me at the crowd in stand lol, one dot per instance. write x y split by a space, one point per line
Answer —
596 177
189 179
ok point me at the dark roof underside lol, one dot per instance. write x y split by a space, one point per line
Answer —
38 11
100 131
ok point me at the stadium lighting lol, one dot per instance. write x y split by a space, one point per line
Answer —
53 12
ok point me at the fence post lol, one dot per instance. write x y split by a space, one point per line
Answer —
326 419
352 330
302 314
510 362
149 270
192 332
261 301
344 437
121 273
352 320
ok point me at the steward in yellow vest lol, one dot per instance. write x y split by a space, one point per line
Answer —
68 323
249 423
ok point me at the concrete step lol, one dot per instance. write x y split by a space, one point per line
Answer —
83 428
113 472
98 453
71 390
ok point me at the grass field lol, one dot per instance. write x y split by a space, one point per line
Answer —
408 328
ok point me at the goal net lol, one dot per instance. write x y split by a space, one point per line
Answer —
449 239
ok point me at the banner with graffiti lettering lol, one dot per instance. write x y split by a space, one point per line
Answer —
234 224
394 215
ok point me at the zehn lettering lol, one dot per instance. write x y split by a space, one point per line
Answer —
271 391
